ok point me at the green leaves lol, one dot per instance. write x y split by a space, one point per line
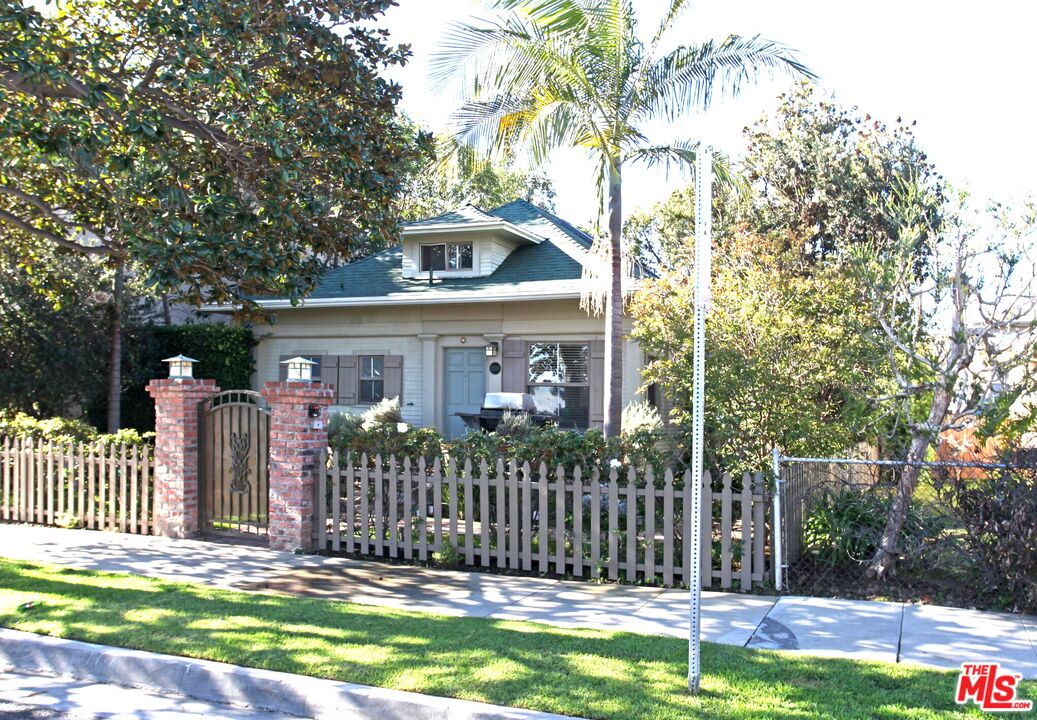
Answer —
168 130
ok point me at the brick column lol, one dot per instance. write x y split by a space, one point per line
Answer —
176 453
294 445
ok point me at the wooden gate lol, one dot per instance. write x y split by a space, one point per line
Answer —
234 445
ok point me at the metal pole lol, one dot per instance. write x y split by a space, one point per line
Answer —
703 248
779 560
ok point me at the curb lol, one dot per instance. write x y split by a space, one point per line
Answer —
233 685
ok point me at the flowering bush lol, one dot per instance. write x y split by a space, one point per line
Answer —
63 431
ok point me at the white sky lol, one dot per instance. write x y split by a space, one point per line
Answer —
963 71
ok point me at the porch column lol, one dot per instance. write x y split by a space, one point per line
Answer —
176 453
428 379
493 382
295 441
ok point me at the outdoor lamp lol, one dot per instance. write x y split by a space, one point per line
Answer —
491 348
299 369
181 367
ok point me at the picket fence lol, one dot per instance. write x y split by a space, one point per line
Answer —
77 485
509 516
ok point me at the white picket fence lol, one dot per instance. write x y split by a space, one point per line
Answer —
510 516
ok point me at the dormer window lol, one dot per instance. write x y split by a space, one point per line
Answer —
446 256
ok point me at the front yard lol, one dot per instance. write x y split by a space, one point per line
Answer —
588 673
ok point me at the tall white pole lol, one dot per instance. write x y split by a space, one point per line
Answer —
703 250
778 559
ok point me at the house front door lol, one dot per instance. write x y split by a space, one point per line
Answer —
464 387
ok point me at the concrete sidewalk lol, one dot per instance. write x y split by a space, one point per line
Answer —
893 632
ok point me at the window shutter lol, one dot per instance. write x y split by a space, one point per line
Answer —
515 366
596 370
393 387
329 369
347 379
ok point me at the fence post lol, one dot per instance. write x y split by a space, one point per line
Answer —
778 558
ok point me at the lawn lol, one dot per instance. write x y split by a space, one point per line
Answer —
589 673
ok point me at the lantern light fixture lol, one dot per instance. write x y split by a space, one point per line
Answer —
300 369
491 348
181 367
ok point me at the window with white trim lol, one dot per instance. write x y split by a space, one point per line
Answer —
446 256
370 378
559 381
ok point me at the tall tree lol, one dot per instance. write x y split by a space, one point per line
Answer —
223 149
955 331
575 73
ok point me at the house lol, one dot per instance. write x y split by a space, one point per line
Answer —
470 302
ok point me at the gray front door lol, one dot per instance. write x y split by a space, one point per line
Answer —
464 387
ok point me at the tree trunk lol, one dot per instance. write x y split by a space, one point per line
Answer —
921 437
115 373
167 313
613 385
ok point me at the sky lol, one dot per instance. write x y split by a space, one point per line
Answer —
963 71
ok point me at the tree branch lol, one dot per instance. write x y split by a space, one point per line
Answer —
17 222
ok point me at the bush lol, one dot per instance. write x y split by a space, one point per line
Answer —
385 412
846 525
998 512
352 435
63 431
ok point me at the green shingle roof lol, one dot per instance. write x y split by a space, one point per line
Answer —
546 268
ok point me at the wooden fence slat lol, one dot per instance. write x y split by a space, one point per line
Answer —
513 515
365 515
91 490
59 482
631 561
527 518
392 497
147 511
484 513
543 525
320 500
613 524
649 526
452 501
422 481
40 482
378 482
336 500
707 530
134 489
7 478
351 519
759 529
668 528
746 570
577 555
501 506
725 533
595 570
406 490
559 519
48 498
469 515
437 505
123 487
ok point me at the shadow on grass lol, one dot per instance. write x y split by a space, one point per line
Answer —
589 673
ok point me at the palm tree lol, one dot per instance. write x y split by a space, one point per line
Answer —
575 73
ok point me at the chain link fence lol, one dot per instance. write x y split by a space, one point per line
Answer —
970 537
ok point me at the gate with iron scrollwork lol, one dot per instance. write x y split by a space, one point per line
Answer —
234 444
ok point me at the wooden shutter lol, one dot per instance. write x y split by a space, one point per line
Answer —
596 372
393 386
347 379
282 369
515 366
329 370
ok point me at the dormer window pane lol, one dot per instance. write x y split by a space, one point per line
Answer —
446 256
460 256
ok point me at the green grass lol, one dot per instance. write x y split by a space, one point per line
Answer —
589 673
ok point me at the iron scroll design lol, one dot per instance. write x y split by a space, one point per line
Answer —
239 445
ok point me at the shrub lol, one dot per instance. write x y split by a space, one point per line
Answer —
352 435
846 525
640 417
385 412
64 430
998 512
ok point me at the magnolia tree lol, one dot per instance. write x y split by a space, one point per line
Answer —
219 149
954 305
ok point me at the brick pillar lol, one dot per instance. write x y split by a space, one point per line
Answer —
176 453
294 445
